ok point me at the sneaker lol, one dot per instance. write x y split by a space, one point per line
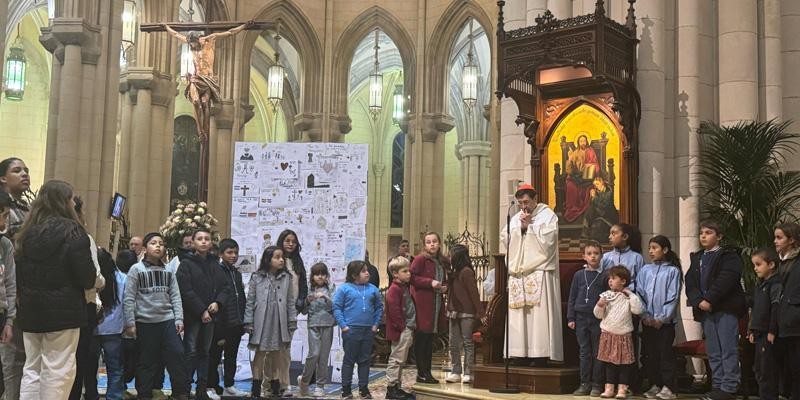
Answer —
364 393
212 394
666 394
129 394
231 391
303 386
466 379
453 378
652 392
582 390
319 391
347 393
597 390
393 392
158 394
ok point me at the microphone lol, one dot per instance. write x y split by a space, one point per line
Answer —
513 206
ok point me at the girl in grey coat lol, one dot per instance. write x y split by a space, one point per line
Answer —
270 318
319 304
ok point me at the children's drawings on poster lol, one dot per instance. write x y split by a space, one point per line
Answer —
319 190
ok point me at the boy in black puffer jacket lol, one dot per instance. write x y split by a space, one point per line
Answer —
717 300
205 290
229 328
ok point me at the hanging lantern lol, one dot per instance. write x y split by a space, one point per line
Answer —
129 22
376 84
15 70
187 61
275 74
469 77
398 112
129 27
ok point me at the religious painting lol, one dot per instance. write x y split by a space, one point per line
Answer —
583 155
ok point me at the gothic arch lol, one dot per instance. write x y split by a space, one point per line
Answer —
297 29
374 17
443 38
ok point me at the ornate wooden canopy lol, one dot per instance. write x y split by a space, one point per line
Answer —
556 64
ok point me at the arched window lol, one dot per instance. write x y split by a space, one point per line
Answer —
398 163
185 161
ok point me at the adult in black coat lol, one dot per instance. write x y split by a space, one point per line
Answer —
54 267
205 290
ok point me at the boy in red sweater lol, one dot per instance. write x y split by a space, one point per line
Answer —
401 319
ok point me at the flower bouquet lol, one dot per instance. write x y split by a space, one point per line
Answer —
186 219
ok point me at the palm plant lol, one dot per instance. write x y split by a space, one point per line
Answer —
743 185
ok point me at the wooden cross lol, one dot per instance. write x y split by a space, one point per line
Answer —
203 86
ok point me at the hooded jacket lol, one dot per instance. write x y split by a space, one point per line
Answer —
52 272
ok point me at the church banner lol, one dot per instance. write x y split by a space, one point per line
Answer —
318 190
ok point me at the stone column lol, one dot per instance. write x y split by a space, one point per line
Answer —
475 159
80 146
769 44
514 150
221 163
688 116
790 57
562 9
426 192
147 174
738 65
534 9
650 81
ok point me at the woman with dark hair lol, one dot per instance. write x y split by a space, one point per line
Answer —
14 180
54 267
289 242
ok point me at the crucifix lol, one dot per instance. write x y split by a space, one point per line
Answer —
202 88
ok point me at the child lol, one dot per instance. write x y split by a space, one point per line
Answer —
130 357
616 308
764 321
229 328
205 289
627 251
401 319
659 287
289 242
427 275
320 329
464 308
8 286
153 314
108 335
587 284
717 300
358 308
787 244
270 318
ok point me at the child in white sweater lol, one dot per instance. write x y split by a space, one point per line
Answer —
616 308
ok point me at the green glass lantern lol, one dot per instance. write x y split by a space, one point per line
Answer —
16 66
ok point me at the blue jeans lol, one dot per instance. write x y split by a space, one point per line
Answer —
111 347
587 330
721 332
357 349
196 345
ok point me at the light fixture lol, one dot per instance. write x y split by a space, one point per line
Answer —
129 27
275 74
15 70
469 77
376 84
187 60
398 112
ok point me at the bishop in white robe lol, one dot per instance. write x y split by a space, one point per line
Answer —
534 301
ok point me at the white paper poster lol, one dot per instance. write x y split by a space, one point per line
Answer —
318 190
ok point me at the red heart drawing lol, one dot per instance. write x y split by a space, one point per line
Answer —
284 165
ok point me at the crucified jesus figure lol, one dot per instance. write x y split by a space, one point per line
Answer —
203 87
